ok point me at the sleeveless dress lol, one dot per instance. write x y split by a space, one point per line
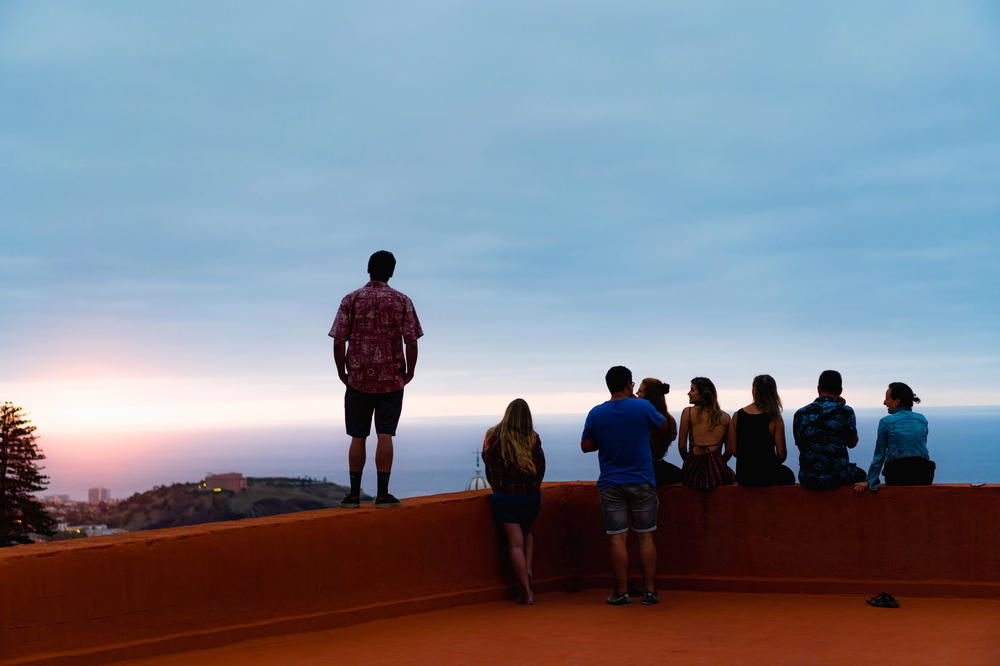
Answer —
756 460
705 471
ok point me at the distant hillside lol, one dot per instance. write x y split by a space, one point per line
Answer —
189 504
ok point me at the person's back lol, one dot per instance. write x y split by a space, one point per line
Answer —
901 443
705 433
369 332
380 319
703 440
619 431
622 428
757 437
755 456
824 430
515 467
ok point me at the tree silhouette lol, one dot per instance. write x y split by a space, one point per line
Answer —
20 476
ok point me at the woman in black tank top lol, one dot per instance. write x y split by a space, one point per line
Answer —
757 433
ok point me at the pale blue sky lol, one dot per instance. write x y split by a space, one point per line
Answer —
187 189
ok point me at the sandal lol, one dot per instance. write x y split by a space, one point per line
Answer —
884 600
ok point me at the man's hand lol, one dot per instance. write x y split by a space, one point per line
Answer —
860 487
407 378
343 377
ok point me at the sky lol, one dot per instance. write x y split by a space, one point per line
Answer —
188 189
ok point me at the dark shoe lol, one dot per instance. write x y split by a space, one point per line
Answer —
618 599
386 501
650 598
884 600
350 502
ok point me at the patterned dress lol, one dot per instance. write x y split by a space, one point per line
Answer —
704 468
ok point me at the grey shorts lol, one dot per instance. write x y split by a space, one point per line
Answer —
635 501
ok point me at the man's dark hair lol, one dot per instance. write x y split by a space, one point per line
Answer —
830 381
381 265
618 378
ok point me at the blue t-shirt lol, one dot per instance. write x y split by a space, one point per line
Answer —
620 429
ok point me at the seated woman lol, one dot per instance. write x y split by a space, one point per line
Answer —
901 444
757 438
515 466
655 392
704 427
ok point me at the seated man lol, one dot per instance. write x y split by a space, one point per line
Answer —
823 431
619 431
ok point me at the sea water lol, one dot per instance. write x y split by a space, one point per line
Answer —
439 456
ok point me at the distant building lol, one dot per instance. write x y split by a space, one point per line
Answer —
477 482
232 481
88 530
95 495
56 498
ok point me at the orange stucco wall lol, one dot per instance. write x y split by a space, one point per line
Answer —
135 594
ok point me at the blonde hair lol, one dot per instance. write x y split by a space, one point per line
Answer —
515 436
708 399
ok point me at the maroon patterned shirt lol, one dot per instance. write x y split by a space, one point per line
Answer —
510 479
375 321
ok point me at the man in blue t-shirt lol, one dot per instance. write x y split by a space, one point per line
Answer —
619 431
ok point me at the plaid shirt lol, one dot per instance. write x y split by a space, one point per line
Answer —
375 321
510 479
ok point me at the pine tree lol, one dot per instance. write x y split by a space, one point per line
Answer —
20 476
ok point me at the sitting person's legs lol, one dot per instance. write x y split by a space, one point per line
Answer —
910 471
783 476
666 473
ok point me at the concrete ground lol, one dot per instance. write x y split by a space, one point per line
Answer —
685 628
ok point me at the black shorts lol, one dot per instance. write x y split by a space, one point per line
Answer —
358 409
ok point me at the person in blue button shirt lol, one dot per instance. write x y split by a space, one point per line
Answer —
619 431
901 444
824 430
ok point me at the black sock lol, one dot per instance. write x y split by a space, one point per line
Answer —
383 484
355 483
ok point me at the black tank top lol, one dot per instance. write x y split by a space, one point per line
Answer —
754 442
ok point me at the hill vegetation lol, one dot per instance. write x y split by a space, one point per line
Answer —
191 504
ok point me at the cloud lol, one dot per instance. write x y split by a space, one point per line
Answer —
703 189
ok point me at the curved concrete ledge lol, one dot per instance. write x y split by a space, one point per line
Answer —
132 595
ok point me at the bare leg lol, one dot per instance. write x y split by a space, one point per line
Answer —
356 455
518 558
529 552
515 540
619 561
383 454
647 554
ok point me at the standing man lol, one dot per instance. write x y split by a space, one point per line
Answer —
369 333
823 431
619 431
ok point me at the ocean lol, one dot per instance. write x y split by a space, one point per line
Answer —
437 456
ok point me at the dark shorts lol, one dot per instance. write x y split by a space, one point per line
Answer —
520 509
359 407
631 501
